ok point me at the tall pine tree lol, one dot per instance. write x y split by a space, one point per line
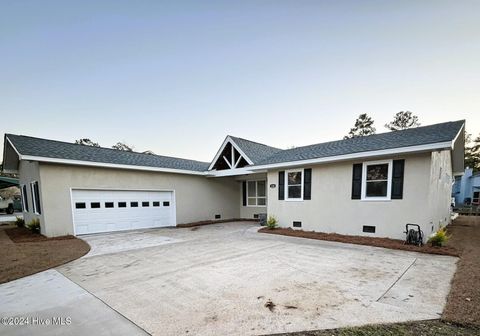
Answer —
363 126
403 120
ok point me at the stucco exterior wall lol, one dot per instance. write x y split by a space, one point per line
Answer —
197 197
29 172
440 190
331 208
250 211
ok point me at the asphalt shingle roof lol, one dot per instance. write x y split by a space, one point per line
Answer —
254 150
411 137
63 150
260 154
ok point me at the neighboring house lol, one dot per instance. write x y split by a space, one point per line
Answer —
466 188
370 185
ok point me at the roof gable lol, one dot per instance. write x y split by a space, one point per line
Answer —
243 152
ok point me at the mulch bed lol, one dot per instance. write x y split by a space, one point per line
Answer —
25 253
360 240
422 328
208 222
463 303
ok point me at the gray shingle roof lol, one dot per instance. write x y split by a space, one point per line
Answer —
257 152
260 154
411 137
63 150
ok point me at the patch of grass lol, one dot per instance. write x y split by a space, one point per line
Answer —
439 238
19 222
271 222
34 225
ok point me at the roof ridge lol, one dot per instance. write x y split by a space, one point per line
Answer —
104 148
255 142
374 135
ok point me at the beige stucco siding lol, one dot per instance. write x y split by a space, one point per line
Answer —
28 173
197 197
331 208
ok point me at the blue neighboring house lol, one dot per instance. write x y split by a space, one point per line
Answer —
466 189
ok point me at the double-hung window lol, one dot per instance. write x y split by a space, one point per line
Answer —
377 180
256 193
34 188
294 185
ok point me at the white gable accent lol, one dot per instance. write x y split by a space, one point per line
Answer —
230 160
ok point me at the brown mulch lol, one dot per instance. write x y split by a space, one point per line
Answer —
24 253
208 222
463 303
396 244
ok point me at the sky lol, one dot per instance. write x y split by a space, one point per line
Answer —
176 77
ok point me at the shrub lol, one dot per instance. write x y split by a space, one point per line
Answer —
439 238
271 222
20 222
34 225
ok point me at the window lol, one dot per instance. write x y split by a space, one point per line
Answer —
24 198
134 204
256 193
156 204
95 205
377 180
35 197
166 203
80 205
294 185
145 204
122 204
108 204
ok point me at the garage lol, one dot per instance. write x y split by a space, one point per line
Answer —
97 211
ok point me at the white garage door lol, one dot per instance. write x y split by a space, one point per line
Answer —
116 210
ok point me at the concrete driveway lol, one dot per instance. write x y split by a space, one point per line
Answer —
217 279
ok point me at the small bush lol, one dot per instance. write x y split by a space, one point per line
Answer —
20 222
439 238
34 225
271 222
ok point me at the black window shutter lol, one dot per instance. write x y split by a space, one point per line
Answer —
25 197
307 184
281 185
244 193
37 197
397 179
357 181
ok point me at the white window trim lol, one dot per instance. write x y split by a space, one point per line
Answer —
301 185
389 181
34 200
256 194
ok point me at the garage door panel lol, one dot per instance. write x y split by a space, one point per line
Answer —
97 211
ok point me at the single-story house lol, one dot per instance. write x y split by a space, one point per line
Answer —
466 189
370 185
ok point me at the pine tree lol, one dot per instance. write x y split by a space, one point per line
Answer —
87 142
363 126
403 120
472 152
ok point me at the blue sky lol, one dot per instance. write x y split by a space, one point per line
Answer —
176 77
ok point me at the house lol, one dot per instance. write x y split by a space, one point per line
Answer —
466 189
370 185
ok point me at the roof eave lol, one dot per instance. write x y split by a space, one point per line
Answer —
111 165
358 155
